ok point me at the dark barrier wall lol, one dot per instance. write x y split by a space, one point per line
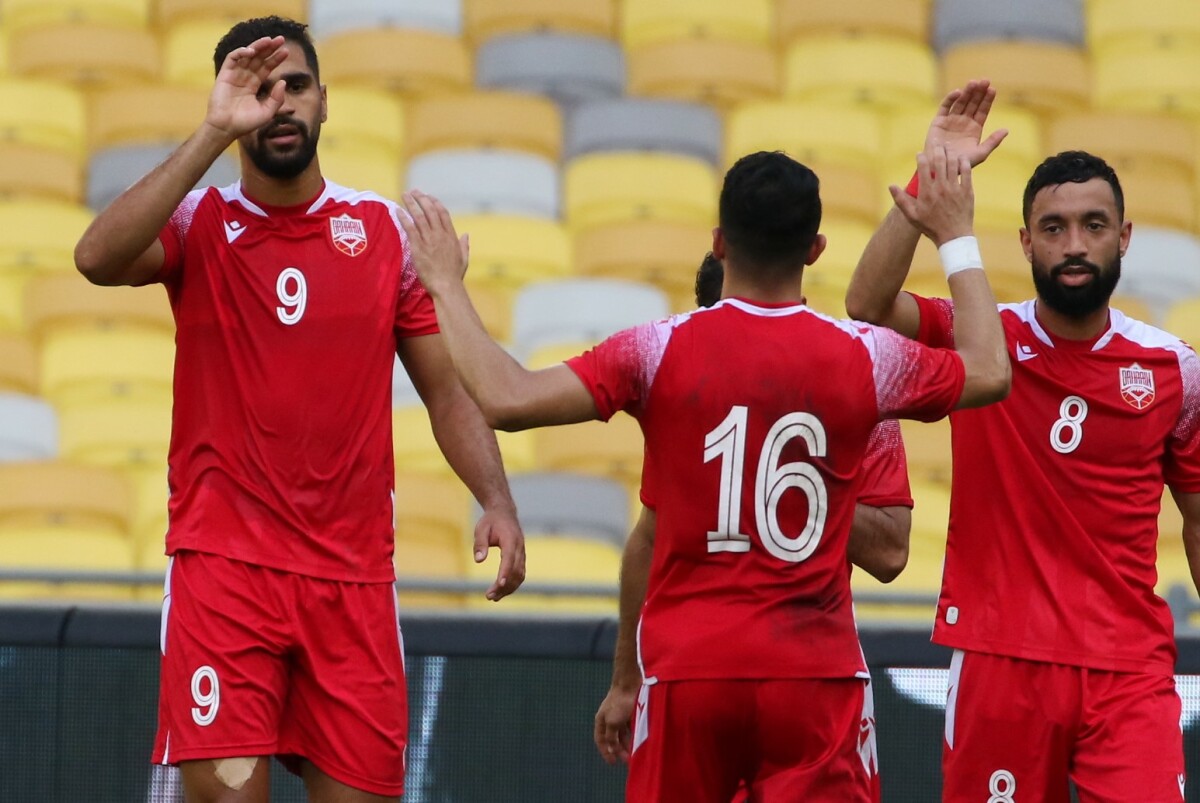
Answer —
501 709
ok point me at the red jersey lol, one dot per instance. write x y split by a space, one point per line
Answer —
287 322
756 419
1056 493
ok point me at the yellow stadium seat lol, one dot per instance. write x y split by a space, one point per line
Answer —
494 304
1138 141
719 72
845 240
43 113
1159 198
509 251
927 448
878 71
1111 27
18 363
3 54
512 120
1183 320
646 22
409 62
559 560
363 167
848 192
40 234
88 55
811 133
67 302
88 363
605 188
908 19
119 431
362 116
1007 268
440 561
17 15
1158 79
484 19
1019 70
413 445
169 12
433 507
148 481
1135 308
665 255
187 50
31 171
905 130
145 114
825 300
64 549
612 449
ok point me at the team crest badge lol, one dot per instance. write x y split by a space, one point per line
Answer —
1137 386
349 235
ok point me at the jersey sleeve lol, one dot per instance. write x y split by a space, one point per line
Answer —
1182 469
415 314
174 237
885 469
937 321
620 371
911 379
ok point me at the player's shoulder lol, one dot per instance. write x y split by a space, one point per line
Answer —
1139 335
335 197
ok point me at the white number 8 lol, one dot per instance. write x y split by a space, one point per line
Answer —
1072 413
210 700
1003 787
293 301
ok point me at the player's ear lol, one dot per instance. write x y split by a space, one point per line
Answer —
718 249
1027 244
324 104
817 248
1126 233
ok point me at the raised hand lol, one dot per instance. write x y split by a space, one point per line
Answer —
958 124
439 255
945 208
241 100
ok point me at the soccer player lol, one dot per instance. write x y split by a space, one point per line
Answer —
1063 654
756 413
878 544
291 295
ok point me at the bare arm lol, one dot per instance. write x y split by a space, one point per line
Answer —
510 396
879 540
121 245
1189 506
470 448
611 732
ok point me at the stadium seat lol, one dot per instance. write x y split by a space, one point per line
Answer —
511 251
640 124
1141 141
118 431
40 234
904 133
1171 23
1007 268
188 46
411 63
64 549
1019 70
568 68
604 188
613 449
362 167
1160 266
18 15
1155 79
586 310
28 428
719 72
111 171
431 560
493 303
433 507
1137 308
170 12
43 113
85 363
1159 198
848 192
562 560
87 55
905 19
481 182
18 364
559 502
413 444
877 71
507 120
32 171
959 21
665 255
1183 319
648 22
811 133
330 17
370 117
927 448
485 19
144 114
845 240
65 303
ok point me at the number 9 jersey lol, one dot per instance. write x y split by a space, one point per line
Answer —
756 418
287 323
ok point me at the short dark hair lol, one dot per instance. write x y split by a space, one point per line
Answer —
710 278
1071 167
249 31
770 210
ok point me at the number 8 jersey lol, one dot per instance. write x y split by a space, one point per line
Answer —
287 322
756 419
1056 493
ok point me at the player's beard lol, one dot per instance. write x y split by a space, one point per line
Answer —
1081 301
285 165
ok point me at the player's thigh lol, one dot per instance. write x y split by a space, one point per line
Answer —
1131 746
1009 729
322 788
814 742
224 666
239 779
691 741
348 709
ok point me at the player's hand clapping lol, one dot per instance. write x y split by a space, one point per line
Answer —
241 101
439 255
958 124
945 208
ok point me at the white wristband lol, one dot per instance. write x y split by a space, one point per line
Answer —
959 254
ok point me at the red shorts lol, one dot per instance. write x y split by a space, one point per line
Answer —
260 662
1016 730
700 741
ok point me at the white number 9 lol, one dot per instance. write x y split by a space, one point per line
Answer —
208 702
293 301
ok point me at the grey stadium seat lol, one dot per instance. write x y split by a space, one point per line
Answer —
570 69
956 21
484 181
28 428
333 16
582 310
636 124
113 170
558 502
1161 266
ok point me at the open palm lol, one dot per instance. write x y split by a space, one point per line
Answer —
236 105
958 125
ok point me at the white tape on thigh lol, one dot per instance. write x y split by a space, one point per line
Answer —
235 772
